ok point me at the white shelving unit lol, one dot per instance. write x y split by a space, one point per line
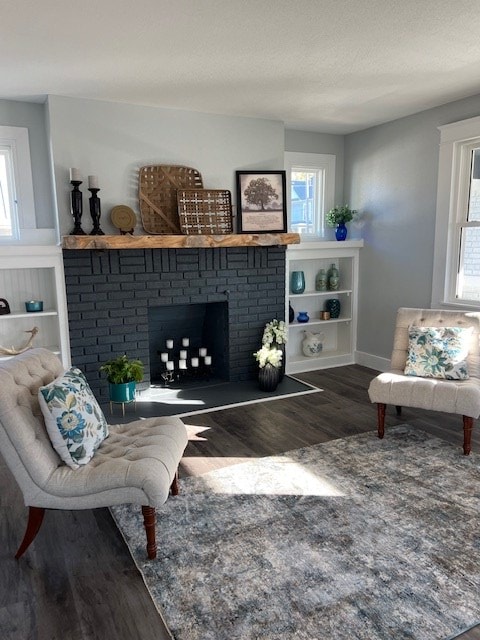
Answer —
339 341
34 273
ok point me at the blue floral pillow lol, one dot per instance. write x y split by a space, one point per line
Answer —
438 352
75 423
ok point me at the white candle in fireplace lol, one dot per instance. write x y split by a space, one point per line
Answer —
185 342
202 352
194 362
183 354
164 357
182 364
170 365
169 344
208 360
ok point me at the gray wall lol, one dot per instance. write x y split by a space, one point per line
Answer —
391 177
310 142
112 140
32 116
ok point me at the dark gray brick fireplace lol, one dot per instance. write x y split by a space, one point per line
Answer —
109 294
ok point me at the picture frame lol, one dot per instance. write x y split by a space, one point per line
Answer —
261 201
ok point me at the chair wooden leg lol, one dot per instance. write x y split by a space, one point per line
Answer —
398 410
467 434
381 408
174 485
149 524
35 519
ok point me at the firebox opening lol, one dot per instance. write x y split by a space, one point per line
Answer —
205 327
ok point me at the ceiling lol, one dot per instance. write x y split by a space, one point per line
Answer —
334 66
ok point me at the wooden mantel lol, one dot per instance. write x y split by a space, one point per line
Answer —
180 241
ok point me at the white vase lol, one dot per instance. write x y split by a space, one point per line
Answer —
312 343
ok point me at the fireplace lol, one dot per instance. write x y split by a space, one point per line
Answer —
188 343
113 293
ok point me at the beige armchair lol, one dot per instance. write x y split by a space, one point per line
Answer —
451 396
137 463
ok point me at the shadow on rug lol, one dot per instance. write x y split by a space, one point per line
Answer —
354 538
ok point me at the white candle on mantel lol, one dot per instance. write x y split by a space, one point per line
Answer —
208 360
170 365
194 362
183 354
93 182
182 364
202 352
75 175
169 344
164 357
185 342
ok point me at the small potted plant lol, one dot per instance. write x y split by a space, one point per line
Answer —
338 217
123 374
269 361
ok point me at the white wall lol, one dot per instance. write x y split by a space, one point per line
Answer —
112 140
391 176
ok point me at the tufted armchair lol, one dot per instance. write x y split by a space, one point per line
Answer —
450 396
136 464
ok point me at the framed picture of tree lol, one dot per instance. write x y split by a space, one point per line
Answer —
261 202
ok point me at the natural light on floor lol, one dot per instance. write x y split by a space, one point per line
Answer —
166 396
282 476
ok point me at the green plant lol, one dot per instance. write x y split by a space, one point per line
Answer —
341 214
122 369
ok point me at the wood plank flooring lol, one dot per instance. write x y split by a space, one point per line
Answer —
78 582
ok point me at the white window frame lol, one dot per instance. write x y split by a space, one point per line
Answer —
16 140
312 162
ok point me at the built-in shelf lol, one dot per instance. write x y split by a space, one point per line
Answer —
338 335
34 273
180 241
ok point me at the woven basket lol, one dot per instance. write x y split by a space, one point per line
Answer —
204 211
157 193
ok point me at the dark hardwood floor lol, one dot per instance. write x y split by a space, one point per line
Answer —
77 581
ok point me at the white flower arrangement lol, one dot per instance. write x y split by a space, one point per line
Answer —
275 331
268 355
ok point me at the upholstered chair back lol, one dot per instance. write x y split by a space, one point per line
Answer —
434 318
24 442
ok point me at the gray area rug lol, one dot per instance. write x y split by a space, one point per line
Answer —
358 538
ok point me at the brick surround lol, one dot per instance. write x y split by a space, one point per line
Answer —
109 293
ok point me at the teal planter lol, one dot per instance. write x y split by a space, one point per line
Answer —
122 392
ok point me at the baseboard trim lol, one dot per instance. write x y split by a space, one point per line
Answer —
371 361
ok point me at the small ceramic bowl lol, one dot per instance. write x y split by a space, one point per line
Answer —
34 305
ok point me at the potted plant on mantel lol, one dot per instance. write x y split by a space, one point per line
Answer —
338 217
123 374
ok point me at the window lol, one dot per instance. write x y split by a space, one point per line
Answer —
16 189
466 241
8 216
310 191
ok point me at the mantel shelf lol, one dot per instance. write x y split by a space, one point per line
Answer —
180 241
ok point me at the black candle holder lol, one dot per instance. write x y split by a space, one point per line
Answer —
95 212
76 201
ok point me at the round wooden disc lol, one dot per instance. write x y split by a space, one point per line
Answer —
123 217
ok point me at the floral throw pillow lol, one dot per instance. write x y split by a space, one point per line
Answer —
438 352
75 423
